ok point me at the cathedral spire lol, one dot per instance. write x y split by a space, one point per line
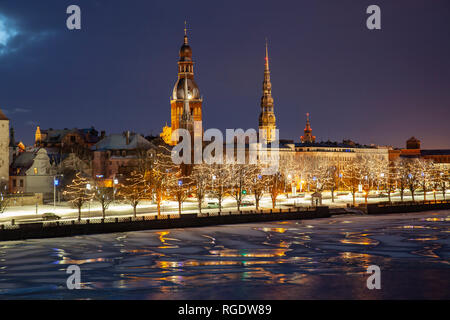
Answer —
308 125
267 117
308 137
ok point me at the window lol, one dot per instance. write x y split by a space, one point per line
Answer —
14 183
35 171
21 183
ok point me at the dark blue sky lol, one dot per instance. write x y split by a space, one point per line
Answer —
118 72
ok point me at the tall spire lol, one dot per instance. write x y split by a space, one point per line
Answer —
307 137
267 117
185 33
308 125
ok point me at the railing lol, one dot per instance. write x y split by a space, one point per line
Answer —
409 203
165 217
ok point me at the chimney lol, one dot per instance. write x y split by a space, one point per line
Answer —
128 137
102 134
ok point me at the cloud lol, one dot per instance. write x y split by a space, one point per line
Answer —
11 111
13 37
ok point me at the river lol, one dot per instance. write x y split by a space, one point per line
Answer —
309 259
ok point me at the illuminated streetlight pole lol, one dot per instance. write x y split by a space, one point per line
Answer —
89 187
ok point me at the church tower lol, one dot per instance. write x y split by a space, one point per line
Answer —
4 148
186 95
308 137
267 119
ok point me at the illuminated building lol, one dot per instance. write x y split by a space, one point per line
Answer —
267 118
32 171
185 95
441 157
118 154
64 141
4 148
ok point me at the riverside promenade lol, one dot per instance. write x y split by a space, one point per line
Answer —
69 228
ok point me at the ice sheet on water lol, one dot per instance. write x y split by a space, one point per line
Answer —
216 260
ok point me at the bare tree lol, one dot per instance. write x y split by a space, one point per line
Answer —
353 175
105 196
332 179
413 175
179 186
441 180
258 184
390 180
162 174
401 169
200 178
276 186
220 181
241 173
425 168
79 192
133 190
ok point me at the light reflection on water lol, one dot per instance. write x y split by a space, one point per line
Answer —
323 258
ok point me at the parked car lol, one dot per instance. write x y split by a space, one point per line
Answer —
213 205
48 216
247 203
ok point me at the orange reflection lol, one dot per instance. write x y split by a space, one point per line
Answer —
357 238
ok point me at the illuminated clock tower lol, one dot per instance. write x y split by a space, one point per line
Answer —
186 95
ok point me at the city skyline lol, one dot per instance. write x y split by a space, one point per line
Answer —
357 92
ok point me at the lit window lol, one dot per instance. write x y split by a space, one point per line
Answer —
35 170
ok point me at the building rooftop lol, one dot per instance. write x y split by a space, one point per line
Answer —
440 152
2 116
119 142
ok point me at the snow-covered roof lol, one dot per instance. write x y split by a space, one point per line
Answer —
119 142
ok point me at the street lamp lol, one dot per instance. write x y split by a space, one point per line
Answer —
56 183
89 187
115 182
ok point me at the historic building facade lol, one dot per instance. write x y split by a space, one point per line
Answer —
4 148
32 172
118 154
66 141
267 120
441 157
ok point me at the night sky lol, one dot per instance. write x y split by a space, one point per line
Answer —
118 72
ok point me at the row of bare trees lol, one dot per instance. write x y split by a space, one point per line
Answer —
157 178
367 173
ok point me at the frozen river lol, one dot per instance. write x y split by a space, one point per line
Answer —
323 258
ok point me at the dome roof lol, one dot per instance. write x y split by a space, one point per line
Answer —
185 52
178 90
